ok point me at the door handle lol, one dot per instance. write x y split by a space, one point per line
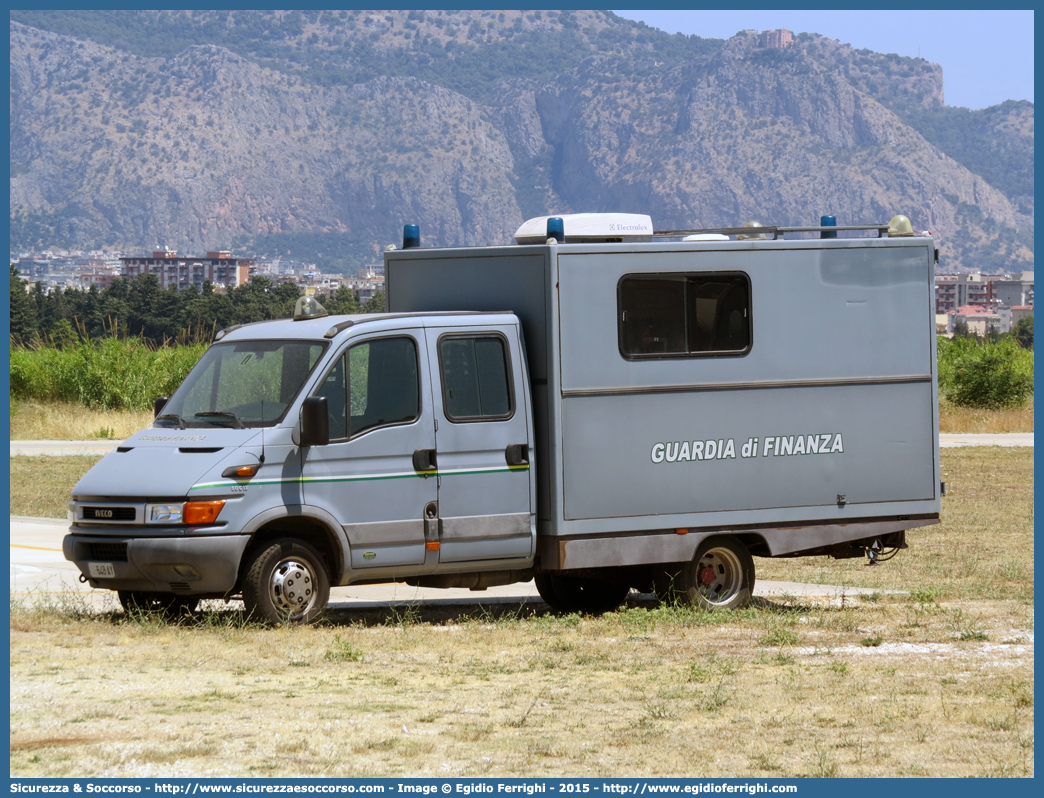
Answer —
424 460
517 454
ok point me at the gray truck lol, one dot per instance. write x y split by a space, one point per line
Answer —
598 409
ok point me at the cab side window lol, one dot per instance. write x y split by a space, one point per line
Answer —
475 381
374 384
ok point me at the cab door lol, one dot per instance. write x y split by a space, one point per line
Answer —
380 414
483 444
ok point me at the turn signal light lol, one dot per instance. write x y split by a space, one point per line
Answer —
432 545
202 512
238 472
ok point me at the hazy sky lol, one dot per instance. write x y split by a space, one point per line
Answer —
986 56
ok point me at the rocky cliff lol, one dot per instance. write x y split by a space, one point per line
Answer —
205 147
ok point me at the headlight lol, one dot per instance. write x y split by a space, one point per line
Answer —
165 514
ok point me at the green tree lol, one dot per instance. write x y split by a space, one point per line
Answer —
24 320
375 304
1023 332
343 301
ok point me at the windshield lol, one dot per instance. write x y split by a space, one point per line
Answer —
241 384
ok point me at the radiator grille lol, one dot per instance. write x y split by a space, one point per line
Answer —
108 552
108 513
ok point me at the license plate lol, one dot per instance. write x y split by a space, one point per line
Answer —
101 570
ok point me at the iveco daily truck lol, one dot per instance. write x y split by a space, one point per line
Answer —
598 407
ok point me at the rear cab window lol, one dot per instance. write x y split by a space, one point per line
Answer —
476 377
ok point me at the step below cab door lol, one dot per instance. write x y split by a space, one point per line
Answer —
483 444
379 404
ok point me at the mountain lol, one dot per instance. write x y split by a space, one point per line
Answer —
321 133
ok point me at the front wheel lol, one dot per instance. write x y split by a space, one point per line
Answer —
719 577
577 594
286 582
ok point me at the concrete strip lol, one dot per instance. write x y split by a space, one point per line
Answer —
63 448
949 440
39 571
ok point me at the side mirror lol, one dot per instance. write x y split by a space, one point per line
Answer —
158 404
315 422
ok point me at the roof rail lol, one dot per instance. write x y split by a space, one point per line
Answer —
775 231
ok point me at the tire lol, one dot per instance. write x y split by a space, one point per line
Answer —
719 577
286 583
567 594
166 605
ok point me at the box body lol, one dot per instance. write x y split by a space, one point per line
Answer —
823 429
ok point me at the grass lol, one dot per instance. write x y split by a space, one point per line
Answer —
41 486
464 694
937 681
966 419
34 420
982 549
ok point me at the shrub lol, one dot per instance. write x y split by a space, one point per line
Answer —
114 374
985 375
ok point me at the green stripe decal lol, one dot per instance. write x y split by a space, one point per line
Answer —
363 478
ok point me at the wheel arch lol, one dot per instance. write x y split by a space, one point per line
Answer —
754 541
306 522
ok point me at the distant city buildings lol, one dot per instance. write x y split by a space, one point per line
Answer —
218 268
982 302
223 270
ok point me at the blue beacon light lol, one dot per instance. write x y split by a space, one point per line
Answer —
556 229
410 236
828 221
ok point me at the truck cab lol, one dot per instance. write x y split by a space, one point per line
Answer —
300 454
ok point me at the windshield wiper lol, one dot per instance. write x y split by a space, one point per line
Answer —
236 423
172 417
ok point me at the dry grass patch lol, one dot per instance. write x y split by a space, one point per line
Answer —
65 421
983 548
967 419
646 691
41 486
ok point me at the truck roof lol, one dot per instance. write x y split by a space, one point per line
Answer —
329 327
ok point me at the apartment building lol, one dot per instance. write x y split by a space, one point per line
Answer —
219 267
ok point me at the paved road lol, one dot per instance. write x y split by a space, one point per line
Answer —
948 440
39 570
97 448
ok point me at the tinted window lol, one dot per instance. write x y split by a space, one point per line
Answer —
684 314
475 383
373 384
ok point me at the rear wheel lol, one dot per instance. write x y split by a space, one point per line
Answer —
167 605
286 582
578 594
719 577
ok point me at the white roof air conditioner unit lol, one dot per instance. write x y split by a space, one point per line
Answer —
590 228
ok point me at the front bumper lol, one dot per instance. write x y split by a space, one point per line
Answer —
188 565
